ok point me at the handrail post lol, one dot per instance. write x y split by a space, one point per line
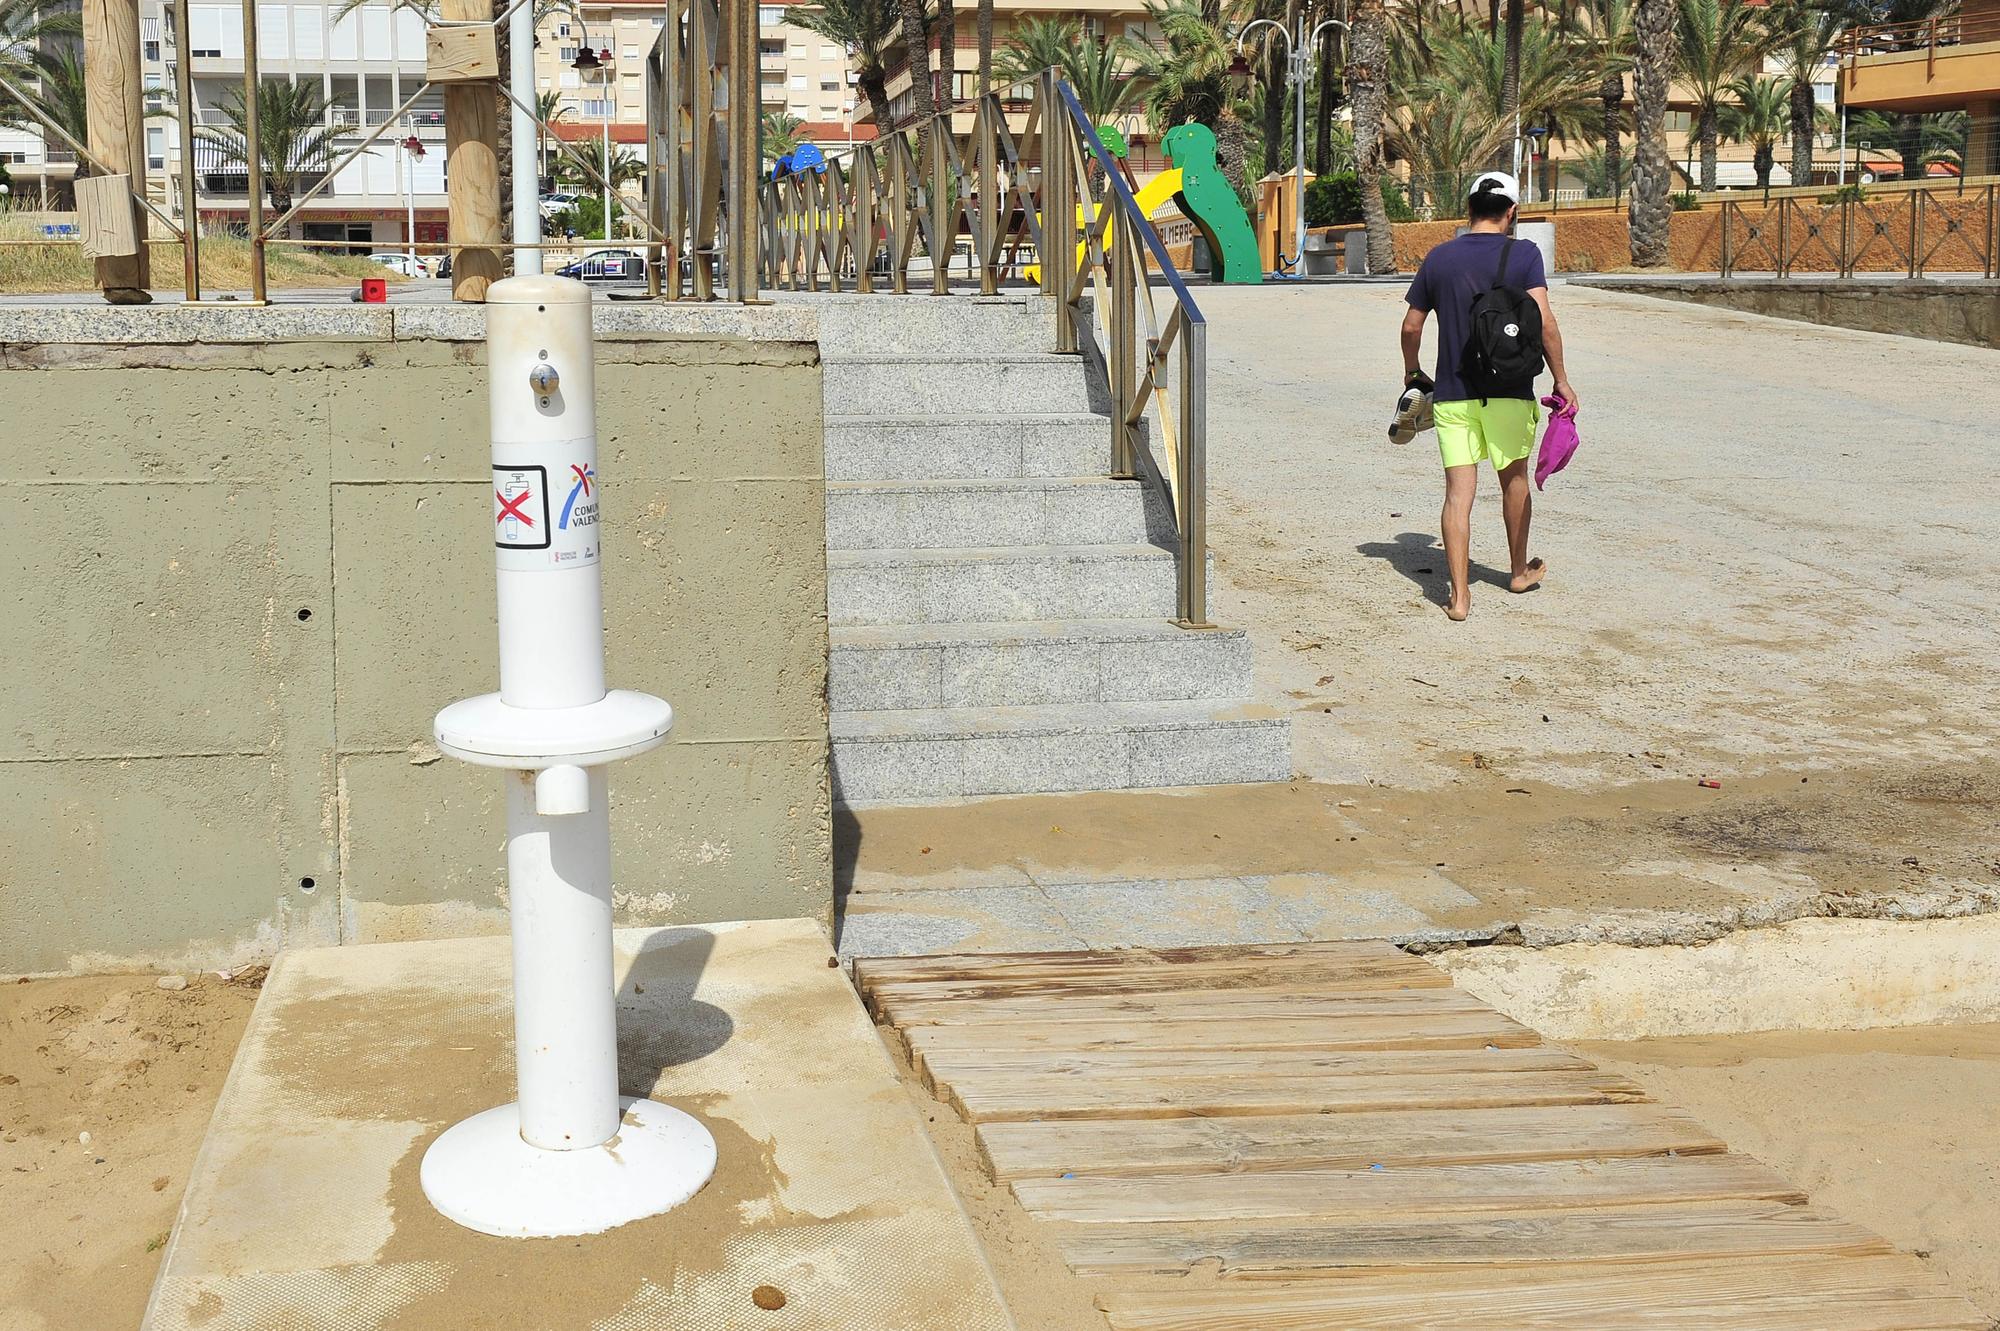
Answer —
862 219
1193 496
1123 312
740 34
1059 204
1916 216
990 217
1784 239
1725 265
938 175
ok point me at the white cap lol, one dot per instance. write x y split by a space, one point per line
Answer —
1496 182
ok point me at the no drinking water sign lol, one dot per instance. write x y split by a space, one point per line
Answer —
542 521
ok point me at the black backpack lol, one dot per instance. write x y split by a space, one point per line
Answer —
1503 349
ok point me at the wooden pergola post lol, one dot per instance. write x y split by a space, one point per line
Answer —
111 92
472 169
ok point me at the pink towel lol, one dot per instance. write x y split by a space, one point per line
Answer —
1559 440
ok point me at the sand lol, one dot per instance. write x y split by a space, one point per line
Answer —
1894 1129
138 1069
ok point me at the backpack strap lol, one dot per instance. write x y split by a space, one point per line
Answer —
1500 273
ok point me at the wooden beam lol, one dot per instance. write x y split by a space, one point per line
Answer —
472 171
461 55
111 94
104 214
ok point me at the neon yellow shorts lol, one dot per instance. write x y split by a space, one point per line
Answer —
1500 429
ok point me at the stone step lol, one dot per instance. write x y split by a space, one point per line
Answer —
933 385
966 447
887 325
950 753
877 668
929 515
1012 583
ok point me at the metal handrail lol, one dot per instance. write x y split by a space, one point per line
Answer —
1841 234
1051 191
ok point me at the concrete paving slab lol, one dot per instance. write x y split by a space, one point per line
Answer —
985 919
304 1213
1189 912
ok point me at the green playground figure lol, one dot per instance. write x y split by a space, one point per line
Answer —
1209 202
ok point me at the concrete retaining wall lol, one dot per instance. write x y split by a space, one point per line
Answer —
1954 311
244 573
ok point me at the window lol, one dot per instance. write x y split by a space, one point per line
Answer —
829 85
829 52
572 79
542 82
567 55
798 81
562 29
597 107
152 50
1679 122
156 149
212 52
631 51
770 16
1823 93
798 51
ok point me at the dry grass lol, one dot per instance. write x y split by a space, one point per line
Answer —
225 263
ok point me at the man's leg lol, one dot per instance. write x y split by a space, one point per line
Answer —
1517 506
1459 485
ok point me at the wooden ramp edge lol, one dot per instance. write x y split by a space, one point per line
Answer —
1329 1135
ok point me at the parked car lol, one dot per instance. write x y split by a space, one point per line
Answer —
441 265
402 263
556 203
607 266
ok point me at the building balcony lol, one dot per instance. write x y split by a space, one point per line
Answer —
1940 64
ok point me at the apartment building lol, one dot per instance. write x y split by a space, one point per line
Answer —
1948 63
364 63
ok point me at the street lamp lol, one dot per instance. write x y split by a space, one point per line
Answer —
414 146
1298 63
1535 133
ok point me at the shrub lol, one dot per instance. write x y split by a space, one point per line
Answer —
1335 200
1845 194
1687 202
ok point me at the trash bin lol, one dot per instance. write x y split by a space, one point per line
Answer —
1198 260
1542 235
1322 254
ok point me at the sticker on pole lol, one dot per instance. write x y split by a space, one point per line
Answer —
545 517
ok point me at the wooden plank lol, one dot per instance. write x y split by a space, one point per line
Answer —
1174 1065
1236 1006
461 55
1214 1081
1343 1193
104 215
1339 1141
1718 1230
977 964
1014 1101
1467 1030
1310 975
1802 1293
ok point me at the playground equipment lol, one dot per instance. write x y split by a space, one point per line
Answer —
1205 196
570 1156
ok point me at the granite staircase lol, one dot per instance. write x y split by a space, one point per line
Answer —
1000 613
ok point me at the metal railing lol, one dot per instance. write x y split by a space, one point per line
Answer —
1051 195
1925 35
702 149
1916 232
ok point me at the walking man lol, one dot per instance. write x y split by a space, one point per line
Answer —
1495 329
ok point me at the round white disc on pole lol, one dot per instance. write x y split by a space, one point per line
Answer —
481 1174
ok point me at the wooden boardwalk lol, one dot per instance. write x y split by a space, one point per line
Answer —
1329 1135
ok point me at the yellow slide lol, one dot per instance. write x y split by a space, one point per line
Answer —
1154 193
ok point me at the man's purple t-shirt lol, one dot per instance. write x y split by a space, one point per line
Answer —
1451 277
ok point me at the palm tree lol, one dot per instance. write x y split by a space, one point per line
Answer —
1716 43
917 54
778 134
1102 76
25 26
1809 35
1921 140
1036 44
1328 90
625 164
1758 116
1367 67
863 27
985 47
1188 74
1510 79
1606 37
1651 212
947 24
1555 85
64 98
549 109
295 134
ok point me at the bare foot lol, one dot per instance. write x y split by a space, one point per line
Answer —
1522 582
1456 609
